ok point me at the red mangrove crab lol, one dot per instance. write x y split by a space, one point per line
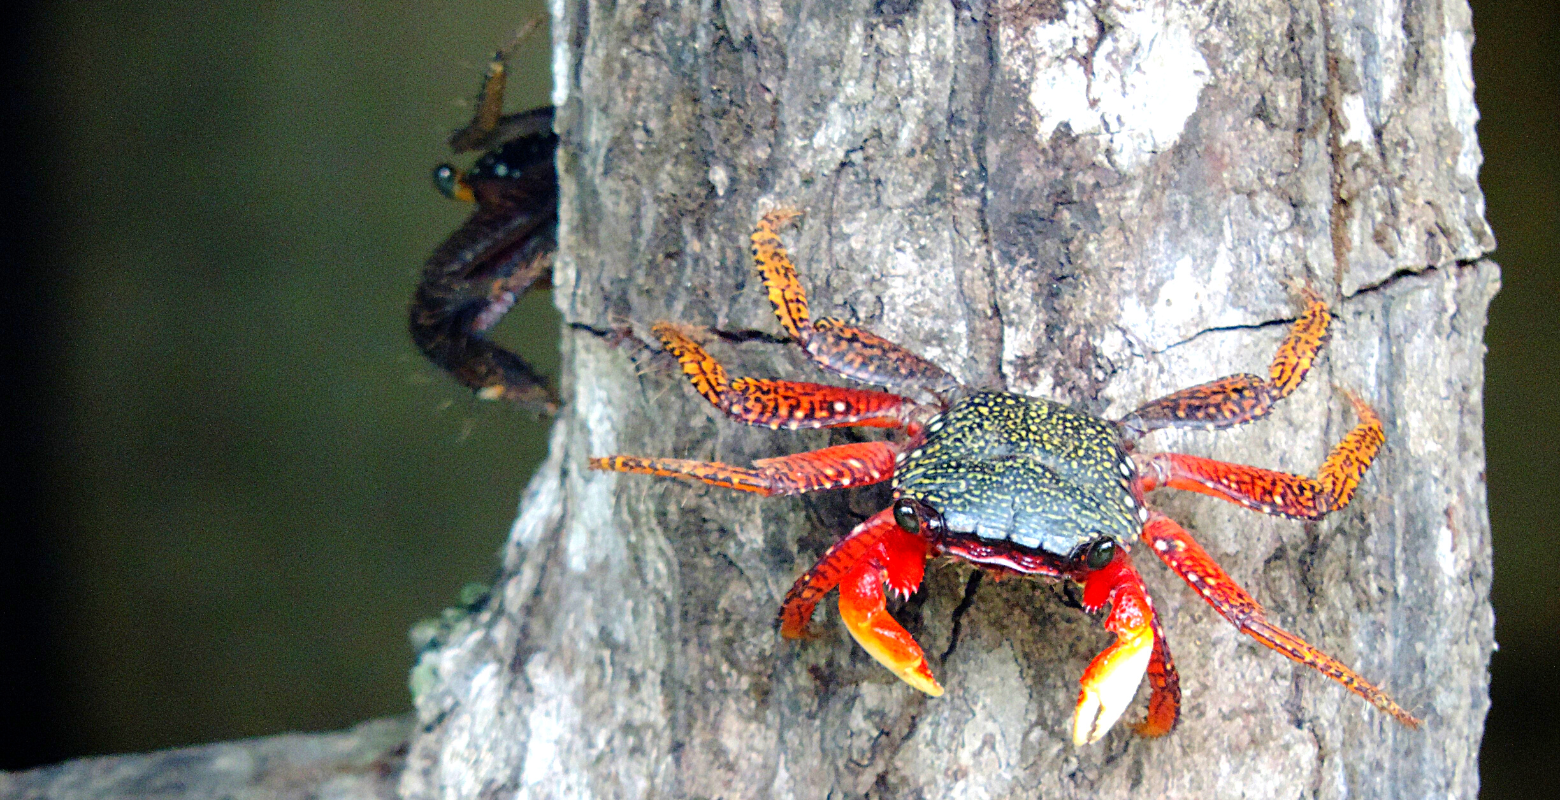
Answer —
1015 485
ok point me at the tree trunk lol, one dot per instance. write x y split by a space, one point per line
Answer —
1095 203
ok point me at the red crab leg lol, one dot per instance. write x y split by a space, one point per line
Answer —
849 351
857 464
781 404
1186 558
1242 398
876 553
1164 702
1277 492
1112 678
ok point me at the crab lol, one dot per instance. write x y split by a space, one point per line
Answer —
496 256
1015 485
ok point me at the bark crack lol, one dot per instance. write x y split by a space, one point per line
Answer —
971 587
996 329
1364 289
1411 272
1339 211
1253 326
733 336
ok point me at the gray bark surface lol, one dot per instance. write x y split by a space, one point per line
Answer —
362 763
1096 203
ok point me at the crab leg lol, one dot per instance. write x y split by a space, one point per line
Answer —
1241 398
844 349
875 553
780 404
1164 701
488 122
1186 558
1112 678
856 464
1277 492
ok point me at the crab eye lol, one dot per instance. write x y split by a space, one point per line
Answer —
1100 553
445 177
905 516
451 183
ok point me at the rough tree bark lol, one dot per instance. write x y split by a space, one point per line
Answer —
361 763
1096 202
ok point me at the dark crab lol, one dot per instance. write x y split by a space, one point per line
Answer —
1015 485
503 250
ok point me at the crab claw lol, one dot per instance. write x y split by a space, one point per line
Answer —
1112 678
877 552
1109 684
862 607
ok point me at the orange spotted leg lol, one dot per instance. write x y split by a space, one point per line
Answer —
1186 558
876 553
1112 678
1273 492
1241 398
857 464
780 404
849 351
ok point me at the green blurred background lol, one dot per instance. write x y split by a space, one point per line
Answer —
249 484
237 485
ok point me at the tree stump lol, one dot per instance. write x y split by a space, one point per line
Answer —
1095 203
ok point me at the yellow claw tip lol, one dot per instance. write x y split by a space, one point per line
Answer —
921 678
1093 718
1108 687
895 650
1086 727
913 671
